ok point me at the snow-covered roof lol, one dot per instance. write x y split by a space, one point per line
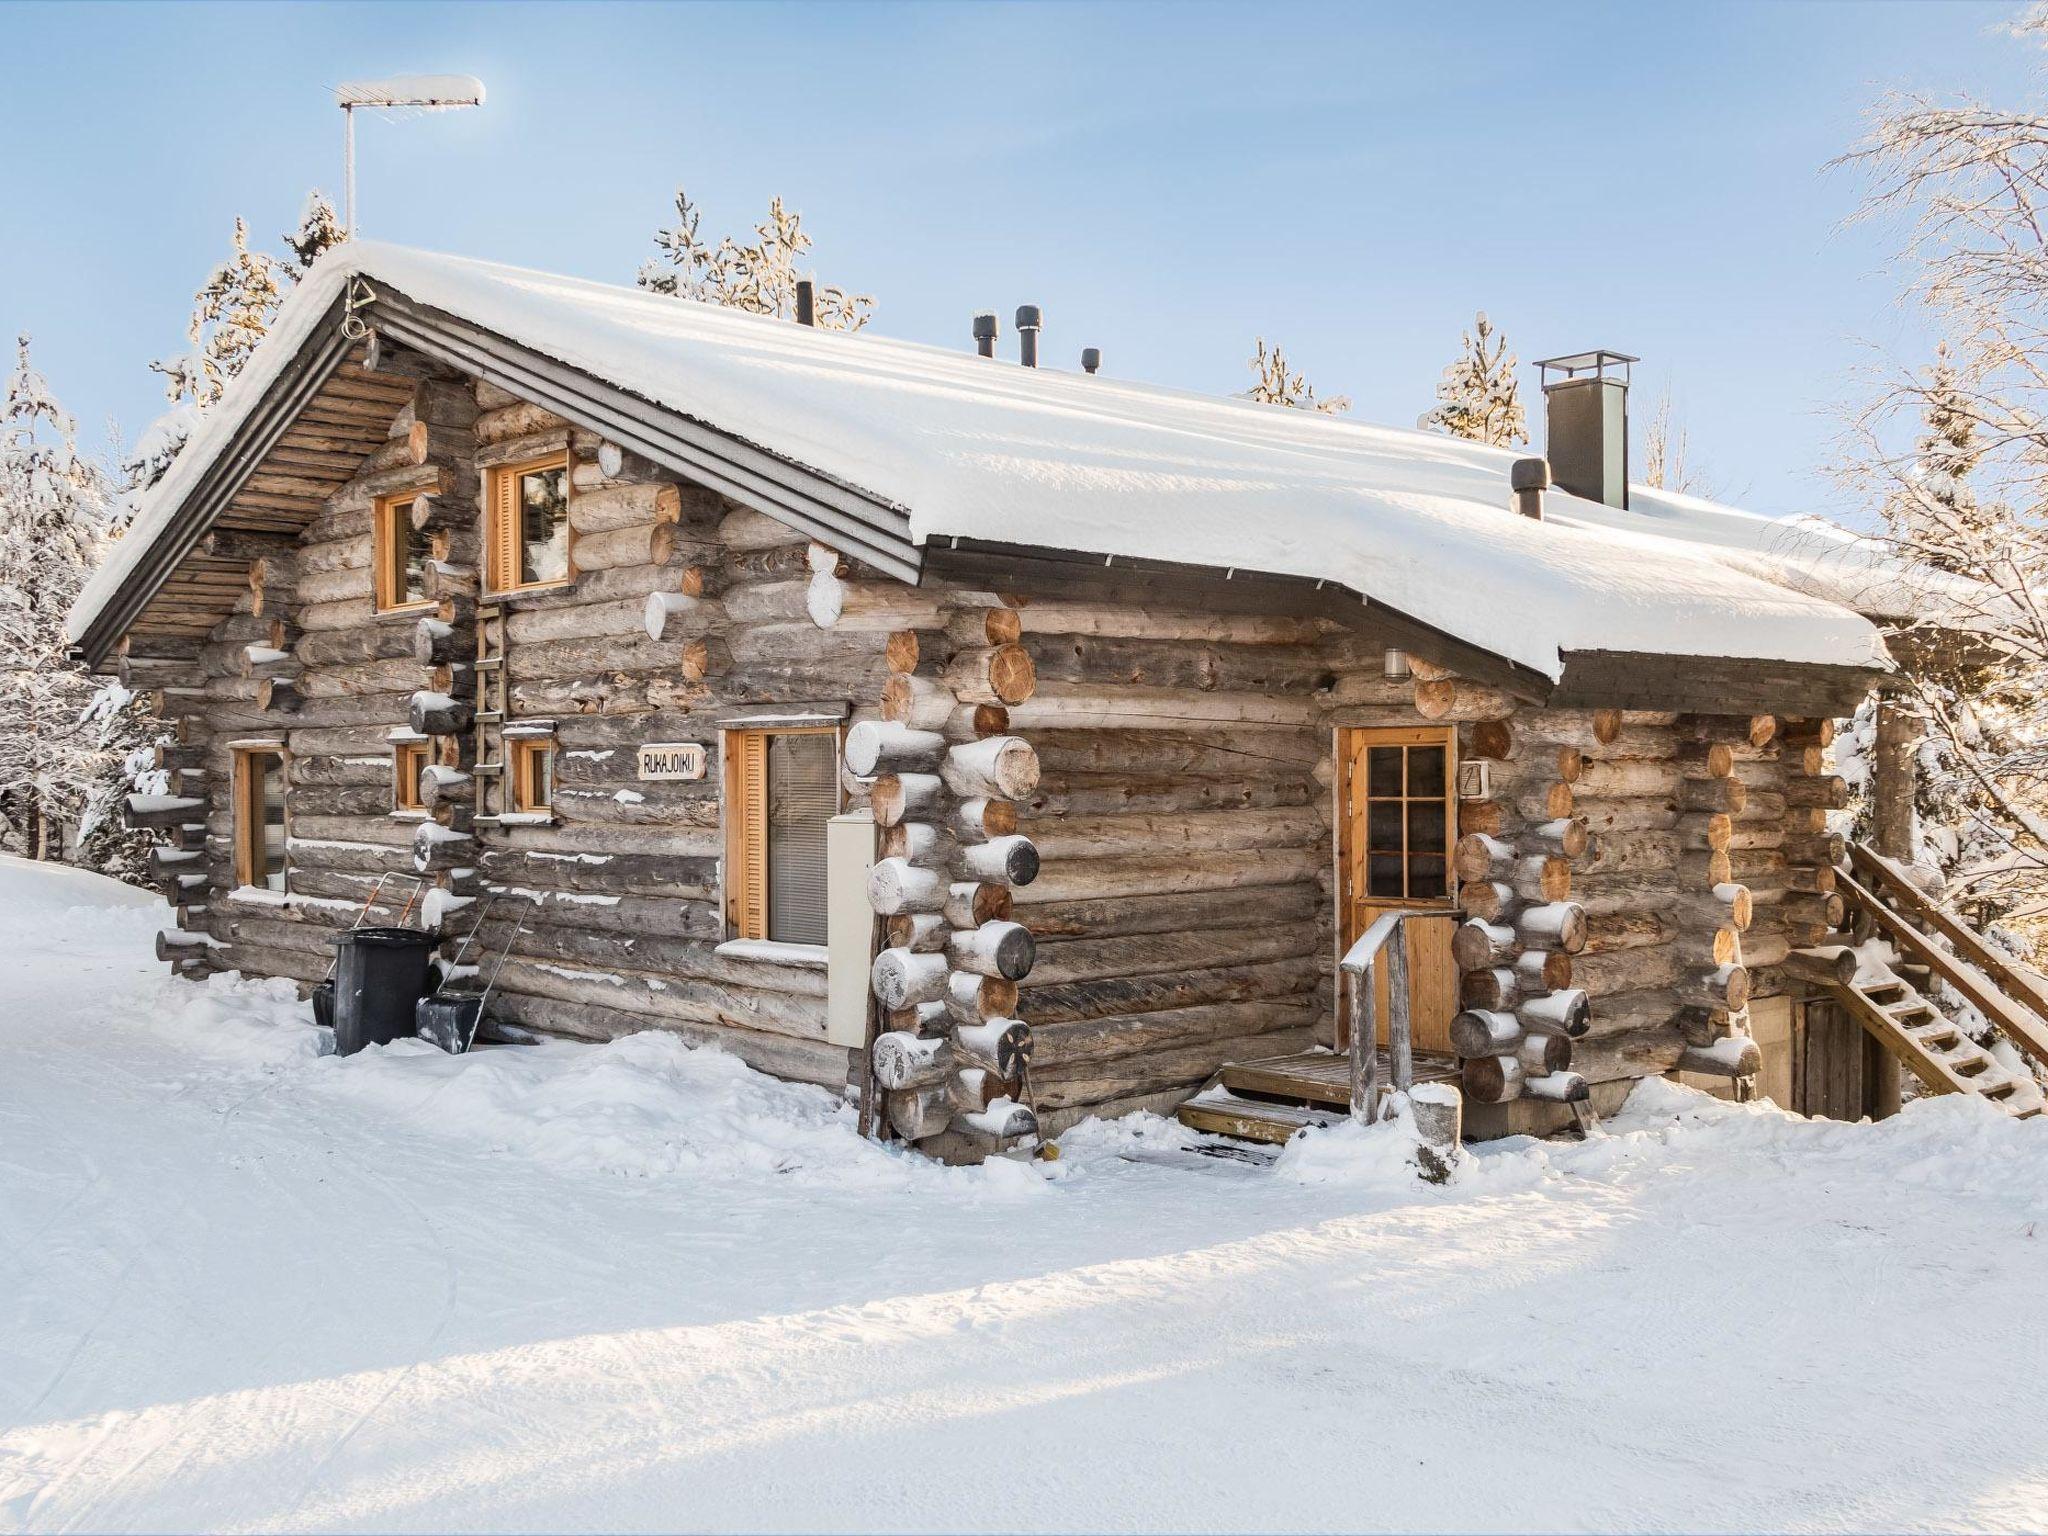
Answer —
989 451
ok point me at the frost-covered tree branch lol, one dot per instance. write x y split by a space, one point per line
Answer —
1274 382
759 276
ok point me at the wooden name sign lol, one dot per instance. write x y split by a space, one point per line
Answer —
672 760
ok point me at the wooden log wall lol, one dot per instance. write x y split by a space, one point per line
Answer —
621 884
1181 917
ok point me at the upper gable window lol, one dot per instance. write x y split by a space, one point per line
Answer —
527 529
400 552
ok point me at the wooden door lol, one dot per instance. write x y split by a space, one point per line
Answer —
1397 803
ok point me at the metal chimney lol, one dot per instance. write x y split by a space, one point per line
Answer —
1091 359
806 302
1029 322
1585 401
1529 479
985 331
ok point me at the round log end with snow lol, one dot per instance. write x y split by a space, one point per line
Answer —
883 746
1730 1056
903 1060
436 848
897 885
1003 1046
1011 860
666 608
996 767
903 978
994 949
439 714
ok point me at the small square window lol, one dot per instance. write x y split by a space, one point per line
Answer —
401 554
530 775
408 762
527 510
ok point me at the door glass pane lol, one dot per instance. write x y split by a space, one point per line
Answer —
1425 826
1383 875
1383 771
1425 771
544 525
803 794
1425 876
1383 825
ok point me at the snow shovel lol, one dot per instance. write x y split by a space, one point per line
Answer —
450 1019
323 990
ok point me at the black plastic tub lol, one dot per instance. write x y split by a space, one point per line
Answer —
380 975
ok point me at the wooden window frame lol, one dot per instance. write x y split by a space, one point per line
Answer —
405 787
1352 741
520 752
745 866
247 817
501 527
387 554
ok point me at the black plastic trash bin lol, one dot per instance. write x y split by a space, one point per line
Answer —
380 975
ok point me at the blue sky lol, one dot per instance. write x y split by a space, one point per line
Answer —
1167 181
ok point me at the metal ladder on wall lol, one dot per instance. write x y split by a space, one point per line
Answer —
1890 998
493 707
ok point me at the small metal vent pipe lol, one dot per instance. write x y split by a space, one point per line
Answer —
1529 479
1091 359
985 329
1029 323
806 302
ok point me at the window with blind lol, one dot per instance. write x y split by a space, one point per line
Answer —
260 851
782 787
527 524
400 553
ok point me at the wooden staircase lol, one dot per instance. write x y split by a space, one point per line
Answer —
1886 985
1273 1097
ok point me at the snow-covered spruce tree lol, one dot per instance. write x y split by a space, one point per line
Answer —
1274 383
1478 398
66 740
231 314
760 276
1955 459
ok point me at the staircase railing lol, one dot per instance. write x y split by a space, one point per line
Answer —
1359 971
1904 915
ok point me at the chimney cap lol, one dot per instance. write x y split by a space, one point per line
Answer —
986 325
1595 362
1529 475
1091 359
1029 318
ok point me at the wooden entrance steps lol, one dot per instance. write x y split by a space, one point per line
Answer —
1271 1098
1887 990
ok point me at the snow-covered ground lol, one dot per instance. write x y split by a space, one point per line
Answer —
243 1285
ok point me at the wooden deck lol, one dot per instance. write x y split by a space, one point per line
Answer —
1273 1097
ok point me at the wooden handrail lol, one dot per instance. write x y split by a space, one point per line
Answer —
1995 989
1360 963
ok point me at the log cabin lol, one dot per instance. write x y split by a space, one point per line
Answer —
997 744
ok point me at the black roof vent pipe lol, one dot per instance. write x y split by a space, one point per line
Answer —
1091 359
806 301
1029 323
985 329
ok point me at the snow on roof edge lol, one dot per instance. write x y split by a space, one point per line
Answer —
987 451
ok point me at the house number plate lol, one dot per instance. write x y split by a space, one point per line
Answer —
672 760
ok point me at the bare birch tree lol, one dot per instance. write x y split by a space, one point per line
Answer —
1955 457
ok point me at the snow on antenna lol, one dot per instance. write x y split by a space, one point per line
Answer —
417 93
